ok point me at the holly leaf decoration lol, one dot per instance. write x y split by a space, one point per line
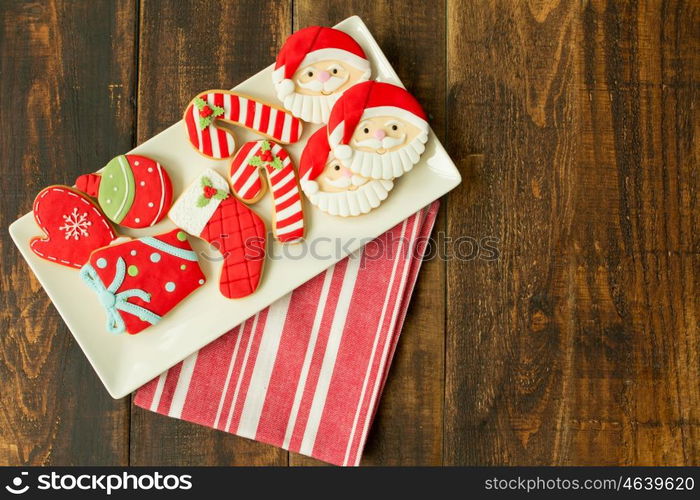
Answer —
265 158
276 163
256 161
207 112
209 192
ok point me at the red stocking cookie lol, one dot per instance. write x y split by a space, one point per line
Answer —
278 167
139 281
206 111
206 209
133 190
74 226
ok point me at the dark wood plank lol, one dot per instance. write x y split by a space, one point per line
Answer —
187 47
575 126
408 426
67 71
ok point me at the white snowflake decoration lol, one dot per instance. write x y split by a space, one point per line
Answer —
76 225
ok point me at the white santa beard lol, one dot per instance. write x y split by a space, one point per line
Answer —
311 108
391 164
348 203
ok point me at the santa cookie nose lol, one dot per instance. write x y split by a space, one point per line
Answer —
346 172
323 76
379 134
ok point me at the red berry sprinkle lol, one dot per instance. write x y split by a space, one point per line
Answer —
205 111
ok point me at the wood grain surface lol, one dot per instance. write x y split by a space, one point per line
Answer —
558 322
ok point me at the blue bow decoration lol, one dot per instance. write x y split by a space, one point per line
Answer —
114 302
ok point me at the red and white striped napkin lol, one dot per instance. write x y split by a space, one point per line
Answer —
306 373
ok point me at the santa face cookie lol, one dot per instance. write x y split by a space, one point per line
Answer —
132 190
334 188
139 281
378 130
74 227
313 69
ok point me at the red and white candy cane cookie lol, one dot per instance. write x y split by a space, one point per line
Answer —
209 109
74 227
247 185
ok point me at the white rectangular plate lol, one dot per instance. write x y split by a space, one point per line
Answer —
125 362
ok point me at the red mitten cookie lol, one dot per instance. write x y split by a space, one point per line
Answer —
209 109
134 191
206 209
139 281
74 226
274 160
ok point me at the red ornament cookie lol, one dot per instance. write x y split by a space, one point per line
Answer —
134 191
141 280
206 112
74 226
206 209
279 170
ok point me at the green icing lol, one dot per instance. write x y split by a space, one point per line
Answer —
132 270
116 194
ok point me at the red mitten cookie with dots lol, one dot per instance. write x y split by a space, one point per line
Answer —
141 280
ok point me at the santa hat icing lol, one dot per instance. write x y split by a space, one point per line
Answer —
310 45
313 160
366 100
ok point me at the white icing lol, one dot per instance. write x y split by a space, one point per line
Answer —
186 214
386 166
75 225
348 203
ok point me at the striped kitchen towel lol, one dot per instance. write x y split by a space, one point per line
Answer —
306 373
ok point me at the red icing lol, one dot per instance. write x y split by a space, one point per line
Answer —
152 191
240 235
152 276
209 191
73 224
205 111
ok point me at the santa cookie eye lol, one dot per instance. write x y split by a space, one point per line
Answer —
394 127
365 130
310 74
336 167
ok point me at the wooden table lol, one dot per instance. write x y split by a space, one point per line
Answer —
575 127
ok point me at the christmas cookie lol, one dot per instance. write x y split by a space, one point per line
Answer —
132 190
274 161
205 114
378 130
334 188
74 226
206 209
139 281
313 69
